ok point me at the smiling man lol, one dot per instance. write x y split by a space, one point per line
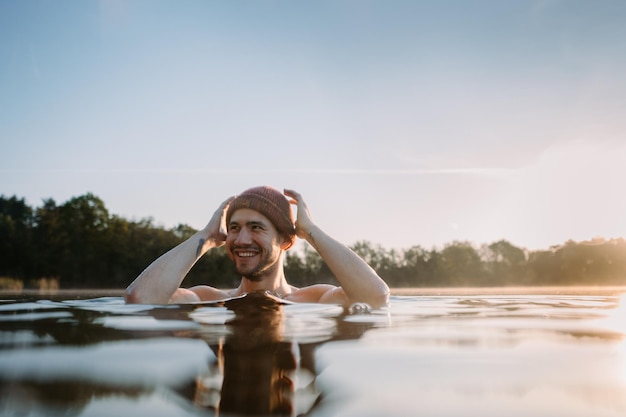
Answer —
257 227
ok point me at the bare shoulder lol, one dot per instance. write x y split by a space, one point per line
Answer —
319 293
199 293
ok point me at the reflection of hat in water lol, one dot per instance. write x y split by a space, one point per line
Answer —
269 202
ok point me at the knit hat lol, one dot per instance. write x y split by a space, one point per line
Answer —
269 202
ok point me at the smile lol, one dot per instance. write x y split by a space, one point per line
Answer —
246 254
245 251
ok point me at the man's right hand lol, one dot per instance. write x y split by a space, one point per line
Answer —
217 229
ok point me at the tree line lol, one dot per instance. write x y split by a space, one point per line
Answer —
79 244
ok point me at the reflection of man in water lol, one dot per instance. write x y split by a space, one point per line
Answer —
257 227
262 368
258 366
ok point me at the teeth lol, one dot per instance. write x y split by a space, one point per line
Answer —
246 254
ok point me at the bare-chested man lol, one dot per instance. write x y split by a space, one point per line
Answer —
257 226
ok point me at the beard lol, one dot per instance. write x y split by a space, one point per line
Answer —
267 264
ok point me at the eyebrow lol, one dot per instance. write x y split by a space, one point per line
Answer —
256 223
250 223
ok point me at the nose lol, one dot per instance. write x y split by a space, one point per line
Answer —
243 237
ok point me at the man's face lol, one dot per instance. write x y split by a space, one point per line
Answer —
253 243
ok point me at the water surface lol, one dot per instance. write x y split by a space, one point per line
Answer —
432 355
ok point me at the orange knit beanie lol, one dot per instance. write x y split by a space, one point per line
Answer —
269 202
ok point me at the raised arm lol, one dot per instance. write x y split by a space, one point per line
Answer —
162 278
358 280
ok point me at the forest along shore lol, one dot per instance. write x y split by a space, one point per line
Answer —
79 244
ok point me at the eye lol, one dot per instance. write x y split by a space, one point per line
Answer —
257 226
233 227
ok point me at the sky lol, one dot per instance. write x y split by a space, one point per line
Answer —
401 123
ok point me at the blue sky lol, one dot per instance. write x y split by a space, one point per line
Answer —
401 122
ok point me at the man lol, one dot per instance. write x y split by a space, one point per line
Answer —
259 227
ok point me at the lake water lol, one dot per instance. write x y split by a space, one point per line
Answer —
433 354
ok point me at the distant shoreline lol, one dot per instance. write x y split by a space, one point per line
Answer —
531 290
413 291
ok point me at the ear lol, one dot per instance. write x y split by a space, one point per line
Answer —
286 243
